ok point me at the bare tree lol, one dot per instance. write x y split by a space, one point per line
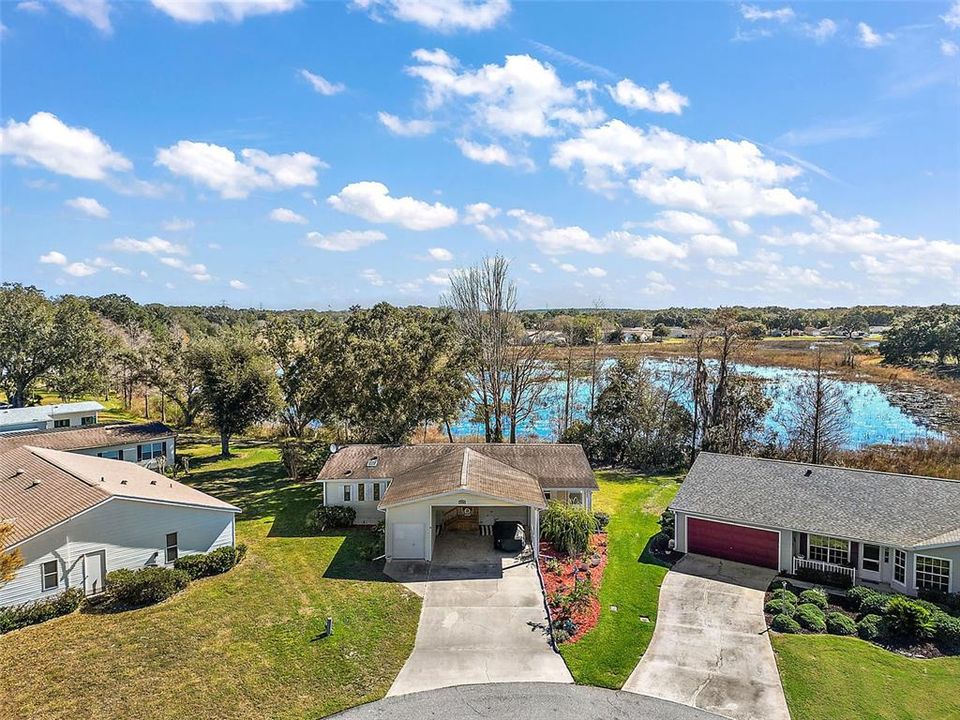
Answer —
530 375
817 419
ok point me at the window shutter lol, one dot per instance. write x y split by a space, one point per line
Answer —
139 453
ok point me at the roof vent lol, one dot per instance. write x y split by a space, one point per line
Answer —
19 471
808 473
372 462
348 472
153 482
123 482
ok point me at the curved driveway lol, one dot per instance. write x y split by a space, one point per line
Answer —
522 701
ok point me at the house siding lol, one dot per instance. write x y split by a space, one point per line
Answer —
563 495
129 450
367 512
132 534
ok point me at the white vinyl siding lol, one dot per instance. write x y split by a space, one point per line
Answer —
128 451
338 492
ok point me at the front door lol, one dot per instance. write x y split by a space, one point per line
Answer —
870 562
94 571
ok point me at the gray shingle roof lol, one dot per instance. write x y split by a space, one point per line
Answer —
85 438
904 510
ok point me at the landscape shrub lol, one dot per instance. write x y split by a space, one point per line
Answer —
601 520
328 517
840 624
811 617
815 596
147 586
946 629
867 600
784 594
780 607
823 577
907 619
373 543
567 527
303 458
20 616
869 627
785 624
949 601
554 566
214 562
668 523
567 602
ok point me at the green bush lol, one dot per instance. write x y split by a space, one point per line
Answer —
212 563
667 522
373 545
825 577
601 520
780 607
949 601
811 617
840 624
327 517
815 596
867 600
147 586
785 624
567 527
946 629
869 627
19 616
907 619
784 594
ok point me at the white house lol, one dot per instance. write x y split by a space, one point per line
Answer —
77 517
143 443
421 490
636 334
48 417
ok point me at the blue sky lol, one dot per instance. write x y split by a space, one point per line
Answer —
292 154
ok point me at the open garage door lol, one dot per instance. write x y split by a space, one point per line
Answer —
734 542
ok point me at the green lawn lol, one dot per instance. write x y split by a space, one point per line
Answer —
607 654
242 645
836 678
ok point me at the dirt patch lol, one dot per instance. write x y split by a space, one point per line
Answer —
560 575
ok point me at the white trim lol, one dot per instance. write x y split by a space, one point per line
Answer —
778 531
949 563
906 565
458 491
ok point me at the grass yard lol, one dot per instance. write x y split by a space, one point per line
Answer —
835 678
242 645
607 654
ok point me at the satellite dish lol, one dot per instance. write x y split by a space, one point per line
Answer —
333 448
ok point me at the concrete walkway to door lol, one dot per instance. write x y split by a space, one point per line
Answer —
482 621
710 649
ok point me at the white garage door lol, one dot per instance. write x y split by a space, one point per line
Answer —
408 541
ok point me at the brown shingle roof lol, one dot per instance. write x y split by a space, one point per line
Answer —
87 437
504 471
40 487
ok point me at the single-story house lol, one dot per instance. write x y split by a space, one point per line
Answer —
636 334
543 337
880 329
901 531
676 331
47 417
418 490
143 443
77 517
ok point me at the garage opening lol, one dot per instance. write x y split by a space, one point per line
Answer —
738 543
471 534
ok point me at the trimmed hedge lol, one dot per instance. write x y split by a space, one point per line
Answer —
20 616
946 629
567 527
784 594
329 517
870 627
822 577
780 606
815 596
785 624
908 619
811 617
840 624
867 600
147 586
211 563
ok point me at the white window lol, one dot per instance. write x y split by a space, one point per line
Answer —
871 558
346 493
546 495
61 423
88 420
900 567
51 577
828 549
111 454
932 573
173 550
376 492
576 498
151 450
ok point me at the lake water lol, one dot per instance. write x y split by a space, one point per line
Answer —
874 416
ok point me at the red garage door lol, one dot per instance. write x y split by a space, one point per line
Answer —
734 542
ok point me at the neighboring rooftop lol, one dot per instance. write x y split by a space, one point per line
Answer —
45 413
40 488
904 510
91 436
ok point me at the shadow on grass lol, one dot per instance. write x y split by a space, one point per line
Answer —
653 555
349 563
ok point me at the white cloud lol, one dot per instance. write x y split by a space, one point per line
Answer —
88 206
535 267
345 240
754 13
567 267
707 244
198 271
868 38
952 16
740 227
372 202
406 128
152 246
177 224
492 154
440 276
682 223
481 212
948 48
657 284
654 248
442 15
822 31
285 215
440 254
238 285
596 272
321 84
561 240
45 140
219 168
79 269
95 12
372 277
662 100
201 11
54 258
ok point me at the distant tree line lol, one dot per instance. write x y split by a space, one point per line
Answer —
927 333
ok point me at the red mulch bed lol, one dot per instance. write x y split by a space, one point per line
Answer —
588 617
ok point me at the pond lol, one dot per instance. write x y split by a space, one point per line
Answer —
878 414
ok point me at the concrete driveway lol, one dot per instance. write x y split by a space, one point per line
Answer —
482 621
710 649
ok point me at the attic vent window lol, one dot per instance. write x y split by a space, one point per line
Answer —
372 462
808 473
